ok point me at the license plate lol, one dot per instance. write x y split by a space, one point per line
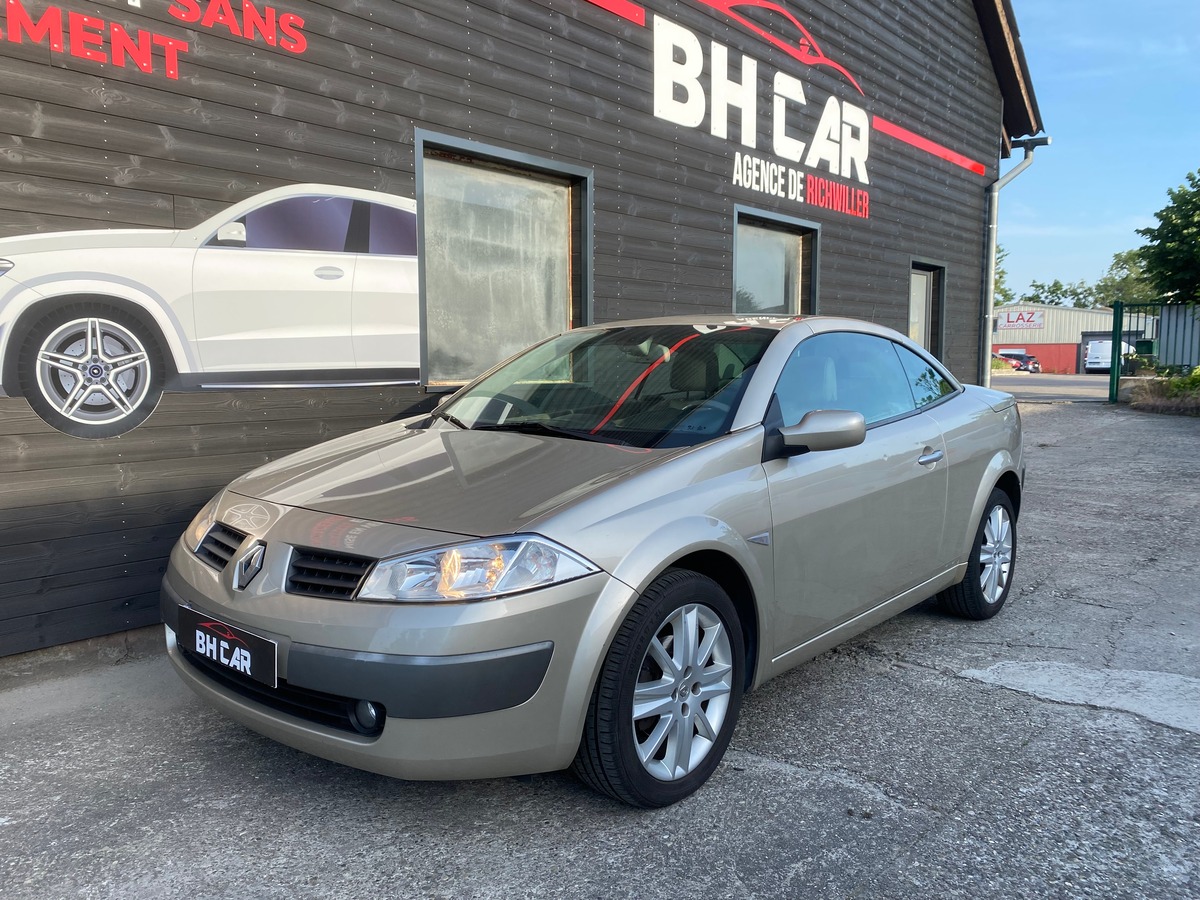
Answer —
234 649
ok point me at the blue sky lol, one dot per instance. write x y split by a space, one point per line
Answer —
1118 85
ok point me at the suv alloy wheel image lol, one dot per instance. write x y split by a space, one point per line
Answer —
91 369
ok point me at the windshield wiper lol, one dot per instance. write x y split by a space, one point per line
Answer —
532 427
440 414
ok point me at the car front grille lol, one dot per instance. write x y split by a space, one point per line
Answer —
219 545
320 708
319 573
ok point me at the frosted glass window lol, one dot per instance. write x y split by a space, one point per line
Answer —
769 271
497 263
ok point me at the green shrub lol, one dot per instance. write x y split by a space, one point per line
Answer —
1179 394
1185 386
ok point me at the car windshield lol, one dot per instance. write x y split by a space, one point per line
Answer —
644 386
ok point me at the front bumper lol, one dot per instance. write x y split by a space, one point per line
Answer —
471 690
409 687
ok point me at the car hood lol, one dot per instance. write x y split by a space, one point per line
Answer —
475 483
108 239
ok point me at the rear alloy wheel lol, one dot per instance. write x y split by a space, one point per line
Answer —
982 593
91 371
668 696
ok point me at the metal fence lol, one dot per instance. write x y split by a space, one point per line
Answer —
1158 338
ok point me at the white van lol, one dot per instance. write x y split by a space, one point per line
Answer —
1098 356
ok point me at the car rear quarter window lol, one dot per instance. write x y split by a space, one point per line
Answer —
393 231
927 383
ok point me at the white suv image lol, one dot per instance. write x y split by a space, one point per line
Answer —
298 285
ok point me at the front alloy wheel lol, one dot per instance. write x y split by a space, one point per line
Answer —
681 698
668 695
90 371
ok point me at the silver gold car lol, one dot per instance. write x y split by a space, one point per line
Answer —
589 554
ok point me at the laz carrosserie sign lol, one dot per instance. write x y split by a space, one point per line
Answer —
1025 318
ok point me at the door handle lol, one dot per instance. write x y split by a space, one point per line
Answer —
928 459
329 273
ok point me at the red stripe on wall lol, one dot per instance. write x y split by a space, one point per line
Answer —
624 9
903 134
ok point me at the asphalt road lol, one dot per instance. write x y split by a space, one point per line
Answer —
1052 388
1051 752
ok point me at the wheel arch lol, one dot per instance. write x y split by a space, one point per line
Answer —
10 374
1011 485
1000 474
726 572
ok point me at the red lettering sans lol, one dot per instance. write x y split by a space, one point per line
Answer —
247 20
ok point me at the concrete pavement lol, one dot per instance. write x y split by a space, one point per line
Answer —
1049 752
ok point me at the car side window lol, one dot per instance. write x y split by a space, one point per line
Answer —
313 224
927 383
393 232
843 370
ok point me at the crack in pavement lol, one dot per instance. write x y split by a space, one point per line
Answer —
1160 697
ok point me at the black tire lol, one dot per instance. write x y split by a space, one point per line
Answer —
91 370
696 699
983 590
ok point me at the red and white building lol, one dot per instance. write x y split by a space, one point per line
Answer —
1056 335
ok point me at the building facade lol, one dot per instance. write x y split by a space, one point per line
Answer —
367 202
1056 335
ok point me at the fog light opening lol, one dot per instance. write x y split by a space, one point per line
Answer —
367 717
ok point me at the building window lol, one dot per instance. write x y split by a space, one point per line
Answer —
926 301
502 260
773 267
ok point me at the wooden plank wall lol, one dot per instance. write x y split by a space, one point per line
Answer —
85 526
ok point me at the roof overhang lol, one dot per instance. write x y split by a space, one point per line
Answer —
999 25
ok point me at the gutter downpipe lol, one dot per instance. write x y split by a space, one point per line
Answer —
989 287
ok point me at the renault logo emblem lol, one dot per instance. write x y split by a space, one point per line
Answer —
251 517
248 566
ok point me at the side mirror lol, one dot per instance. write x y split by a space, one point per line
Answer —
232 234
825 429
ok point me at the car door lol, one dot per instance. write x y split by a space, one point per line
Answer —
853 527
273 290
386 311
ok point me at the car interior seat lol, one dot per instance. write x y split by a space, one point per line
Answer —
694 371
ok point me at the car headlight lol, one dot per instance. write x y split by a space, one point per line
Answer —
204 520
479 570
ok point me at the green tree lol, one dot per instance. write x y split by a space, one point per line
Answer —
1171 259
1126 281
1079 294
1004 294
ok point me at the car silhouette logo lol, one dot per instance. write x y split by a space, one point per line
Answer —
221 629
801 47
